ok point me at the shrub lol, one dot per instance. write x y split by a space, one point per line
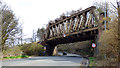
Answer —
108 44
110 38
12 51
32 49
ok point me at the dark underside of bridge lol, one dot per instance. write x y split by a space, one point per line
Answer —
71 38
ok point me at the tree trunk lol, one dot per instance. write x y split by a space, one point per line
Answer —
118 33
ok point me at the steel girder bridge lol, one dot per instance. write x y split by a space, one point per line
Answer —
81 26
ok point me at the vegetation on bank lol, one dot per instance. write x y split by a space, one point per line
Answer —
32 49
15 57
108 53
23 51
108 49
91 61
108 40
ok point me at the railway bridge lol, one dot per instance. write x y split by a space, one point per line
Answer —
80 26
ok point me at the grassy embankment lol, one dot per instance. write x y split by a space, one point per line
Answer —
23 51
15 57
92 61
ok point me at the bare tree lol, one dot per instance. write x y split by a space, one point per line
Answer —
9 24
40 33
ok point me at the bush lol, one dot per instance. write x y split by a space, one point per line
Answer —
32 49
110 38
12 51
109 53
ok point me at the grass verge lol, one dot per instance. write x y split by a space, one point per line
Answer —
92 61
15 57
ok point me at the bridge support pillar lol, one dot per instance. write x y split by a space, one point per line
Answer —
55 52
96 51
49 49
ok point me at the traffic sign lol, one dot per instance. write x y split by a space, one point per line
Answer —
93 45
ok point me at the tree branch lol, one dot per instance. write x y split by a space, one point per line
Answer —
113 5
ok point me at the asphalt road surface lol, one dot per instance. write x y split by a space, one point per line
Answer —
70 60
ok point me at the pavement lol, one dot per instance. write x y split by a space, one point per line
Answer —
68 60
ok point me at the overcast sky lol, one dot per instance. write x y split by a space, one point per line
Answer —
33 14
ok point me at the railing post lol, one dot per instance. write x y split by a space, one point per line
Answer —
52 31
77 22
55 29
80 24
70 25
83 21
90 19
63 28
